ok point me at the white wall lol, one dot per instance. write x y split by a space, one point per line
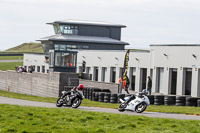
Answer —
179 57
35 60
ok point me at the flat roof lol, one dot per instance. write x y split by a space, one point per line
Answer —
174 44
77 38
87 22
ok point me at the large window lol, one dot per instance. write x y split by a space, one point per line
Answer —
56 28
65 59
60 47
65 47
69 29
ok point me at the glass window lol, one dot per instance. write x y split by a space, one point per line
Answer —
56 28
69 46
58 59
69 59
74 46
85 47
65 59
51 59
69 29
80 46
62 47
73 59
56 46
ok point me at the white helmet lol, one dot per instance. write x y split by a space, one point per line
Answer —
145 91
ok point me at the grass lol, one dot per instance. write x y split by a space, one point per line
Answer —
36 119
9 65
151 108
11 57
26 48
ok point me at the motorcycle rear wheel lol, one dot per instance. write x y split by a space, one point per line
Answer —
76 103
141 107
59 102
122 107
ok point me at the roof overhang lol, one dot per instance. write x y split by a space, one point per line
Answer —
86 39
90 23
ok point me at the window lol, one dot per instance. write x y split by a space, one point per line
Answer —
33 68
57 47
65 59
74 46
62 47
56 28
58 59
88 70
51 59
85 47
38 68
65 47
43 69
69 29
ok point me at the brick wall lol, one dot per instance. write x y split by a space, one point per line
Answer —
38 84
113 87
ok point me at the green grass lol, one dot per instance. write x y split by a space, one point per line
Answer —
24 119
9 65
26 48
11 57
151 108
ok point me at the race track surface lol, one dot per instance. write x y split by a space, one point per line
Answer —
13 101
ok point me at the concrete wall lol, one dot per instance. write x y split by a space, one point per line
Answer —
102 85
38 84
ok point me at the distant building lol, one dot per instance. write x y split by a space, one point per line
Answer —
73 35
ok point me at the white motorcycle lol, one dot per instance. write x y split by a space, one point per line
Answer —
137 103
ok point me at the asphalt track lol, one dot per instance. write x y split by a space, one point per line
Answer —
12 101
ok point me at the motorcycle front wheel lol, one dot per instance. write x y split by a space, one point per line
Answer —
122 107
59 102
76 103
141 107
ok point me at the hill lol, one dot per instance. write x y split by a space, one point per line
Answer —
26 48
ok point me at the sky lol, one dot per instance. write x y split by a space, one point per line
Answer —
148 21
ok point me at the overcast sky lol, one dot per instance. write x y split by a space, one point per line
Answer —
147 21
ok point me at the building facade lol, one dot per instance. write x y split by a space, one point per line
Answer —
72 35
174 69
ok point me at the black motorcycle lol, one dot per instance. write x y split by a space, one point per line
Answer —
70 98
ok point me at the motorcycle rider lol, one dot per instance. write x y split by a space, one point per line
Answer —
79 89
144 92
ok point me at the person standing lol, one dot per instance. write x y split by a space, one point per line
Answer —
121 87
127 84
149 86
